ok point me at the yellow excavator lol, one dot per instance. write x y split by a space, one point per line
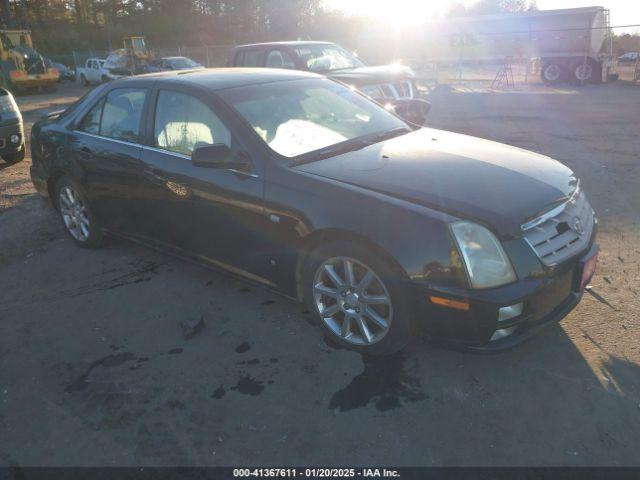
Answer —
132 59
21 66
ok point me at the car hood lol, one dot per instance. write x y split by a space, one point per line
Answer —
497 185
373 75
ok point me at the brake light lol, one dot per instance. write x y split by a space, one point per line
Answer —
17 73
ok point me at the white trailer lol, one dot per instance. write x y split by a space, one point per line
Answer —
571 44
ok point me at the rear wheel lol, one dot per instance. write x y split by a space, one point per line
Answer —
76 214
358 298
552 72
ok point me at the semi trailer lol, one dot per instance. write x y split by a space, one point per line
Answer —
572 44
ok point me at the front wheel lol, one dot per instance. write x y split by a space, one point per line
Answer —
15 157
76 214
358 298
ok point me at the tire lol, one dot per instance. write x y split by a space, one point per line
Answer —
15 157
385 282
84 80
76 214
552 72
586 72
105 79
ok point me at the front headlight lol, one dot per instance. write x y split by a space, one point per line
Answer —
8 107
486 263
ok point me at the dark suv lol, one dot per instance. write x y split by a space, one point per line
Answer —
393 86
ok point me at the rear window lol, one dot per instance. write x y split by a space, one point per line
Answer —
248 58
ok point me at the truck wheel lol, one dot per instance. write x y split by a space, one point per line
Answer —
552 72
84 80
587 72
15 157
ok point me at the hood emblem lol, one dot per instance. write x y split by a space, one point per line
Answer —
577 226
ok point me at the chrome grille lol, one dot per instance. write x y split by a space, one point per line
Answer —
403 90
565 234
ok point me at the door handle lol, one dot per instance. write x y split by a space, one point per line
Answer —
85 152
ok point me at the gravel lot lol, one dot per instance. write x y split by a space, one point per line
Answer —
94 368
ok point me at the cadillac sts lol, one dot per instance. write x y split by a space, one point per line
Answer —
306 186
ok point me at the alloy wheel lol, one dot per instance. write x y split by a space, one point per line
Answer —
74 213
352 301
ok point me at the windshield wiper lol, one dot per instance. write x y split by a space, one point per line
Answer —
351 145
389 134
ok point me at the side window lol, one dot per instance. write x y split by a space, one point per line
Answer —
122 114
249 58
91 121
279 59
183 123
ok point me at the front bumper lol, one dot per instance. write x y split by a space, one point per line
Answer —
6 131
545 301
36 80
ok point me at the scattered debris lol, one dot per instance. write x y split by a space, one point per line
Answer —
192 327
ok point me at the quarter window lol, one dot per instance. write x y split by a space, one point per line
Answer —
91 122
184 123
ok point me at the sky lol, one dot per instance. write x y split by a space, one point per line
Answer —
408 12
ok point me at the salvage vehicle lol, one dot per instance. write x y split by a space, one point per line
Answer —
393 86
166 64
12 144
94 71
66 74
297 182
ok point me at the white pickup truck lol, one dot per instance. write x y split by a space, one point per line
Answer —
96 70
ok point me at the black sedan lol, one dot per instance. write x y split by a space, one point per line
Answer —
306 186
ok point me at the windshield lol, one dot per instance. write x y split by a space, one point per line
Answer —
302 116
183 63
327 58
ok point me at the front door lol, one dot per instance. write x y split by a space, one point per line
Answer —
215 214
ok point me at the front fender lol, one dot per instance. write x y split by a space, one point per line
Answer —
416 237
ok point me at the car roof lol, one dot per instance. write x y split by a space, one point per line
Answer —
296 43
222 78
172 58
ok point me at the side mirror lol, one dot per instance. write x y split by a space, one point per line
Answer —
218 155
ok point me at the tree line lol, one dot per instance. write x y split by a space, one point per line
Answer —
60 26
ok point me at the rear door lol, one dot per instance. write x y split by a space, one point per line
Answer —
105 145
214 214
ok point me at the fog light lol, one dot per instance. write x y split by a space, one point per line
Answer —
15 139
500 334
512 311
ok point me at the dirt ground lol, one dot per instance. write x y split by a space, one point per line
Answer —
94 369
